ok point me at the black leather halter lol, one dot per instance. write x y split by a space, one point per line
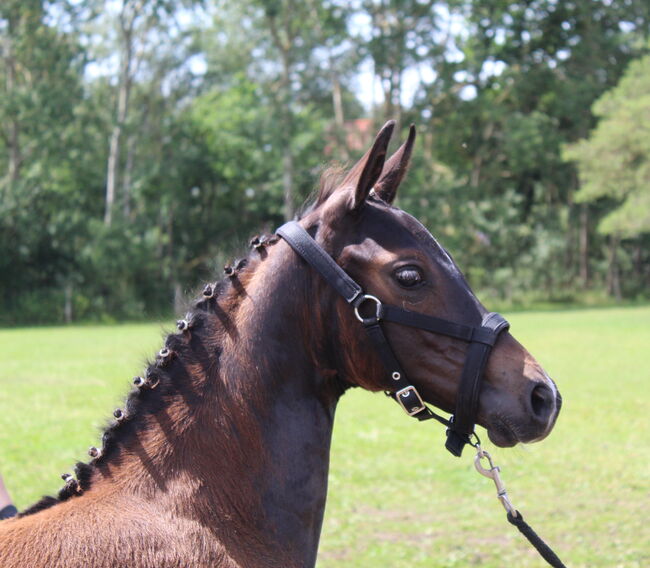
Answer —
481 339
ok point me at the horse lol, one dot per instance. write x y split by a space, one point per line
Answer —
220 454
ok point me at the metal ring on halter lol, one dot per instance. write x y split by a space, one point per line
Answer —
379 309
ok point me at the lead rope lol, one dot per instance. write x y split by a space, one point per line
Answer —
481 339
514 517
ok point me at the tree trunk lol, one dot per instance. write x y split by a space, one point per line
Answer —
172 273
283 45
287 182
337 99
12 137
179 300
613 270
111 173
584 245
128 175
637 260
124 90
397 99
67 302
339 118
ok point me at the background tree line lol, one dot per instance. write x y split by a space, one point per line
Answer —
143 141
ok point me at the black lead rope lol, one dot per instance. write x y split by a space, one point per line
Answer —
544 549
481 339
514 517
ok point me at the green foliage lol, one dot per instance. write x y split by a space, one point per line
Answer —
215 121
614 162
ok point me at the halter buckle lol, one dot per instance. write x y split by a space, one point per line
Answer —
405 393
379 309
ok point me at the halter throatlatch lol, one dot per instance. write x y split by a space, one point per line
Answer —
370 311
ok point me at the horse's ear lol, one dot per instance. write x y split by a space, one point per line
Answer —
395 169
367 170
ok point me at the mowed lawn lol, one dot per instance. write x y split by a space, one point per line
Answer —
396 497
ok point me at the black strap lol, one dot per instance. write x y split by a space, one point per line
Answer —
429 323
544 550
317 258
402 392
481 340
469 387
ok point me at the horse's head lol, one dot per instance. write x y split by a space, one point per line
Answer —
393 257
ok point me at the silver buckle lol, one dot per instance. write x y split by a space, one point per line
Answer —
398 397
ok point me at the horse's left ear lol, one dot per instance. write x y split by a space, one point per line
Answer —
367 170
395 169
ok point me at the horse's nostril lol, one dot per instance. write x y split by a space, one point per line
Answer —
541 401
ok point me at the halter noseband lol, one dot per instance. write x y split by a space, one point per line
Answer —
481 339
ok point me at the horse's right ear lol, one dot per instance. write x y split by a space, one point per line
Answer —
367 170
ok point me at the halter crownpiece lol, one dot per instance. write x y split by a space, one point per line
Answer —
481 339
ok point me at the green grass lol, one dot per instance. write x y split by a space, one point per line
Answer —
396 497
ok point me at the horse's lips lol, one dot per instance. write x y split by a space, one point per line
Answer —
501 434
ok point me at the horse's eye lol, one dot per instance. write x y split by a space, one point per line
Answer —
409 276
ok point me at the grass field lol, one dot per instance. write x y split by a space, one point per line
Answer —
396 497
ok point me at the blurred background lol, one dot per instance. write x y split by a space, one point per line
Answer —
143 141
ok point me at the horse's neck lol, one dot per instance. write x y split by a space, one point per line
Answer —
251 461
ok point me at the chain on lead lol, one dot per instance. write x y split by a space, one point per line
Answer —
493 474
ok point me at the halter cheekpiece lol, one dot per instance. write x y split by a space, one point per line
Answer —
371 311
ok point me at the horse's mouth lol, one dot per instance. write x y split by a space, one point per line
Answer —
505 434
501 434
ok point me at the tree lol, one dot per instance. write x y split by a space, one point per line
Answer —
400 36
137 32
40 73
40 85
614 162
518 86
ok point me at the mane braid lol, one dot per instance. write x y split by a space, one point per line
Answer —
159 383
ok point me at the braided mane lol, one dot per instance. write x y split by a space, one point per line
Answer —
166 375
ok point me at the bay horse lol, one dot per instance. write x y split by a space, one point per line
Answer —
220 455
